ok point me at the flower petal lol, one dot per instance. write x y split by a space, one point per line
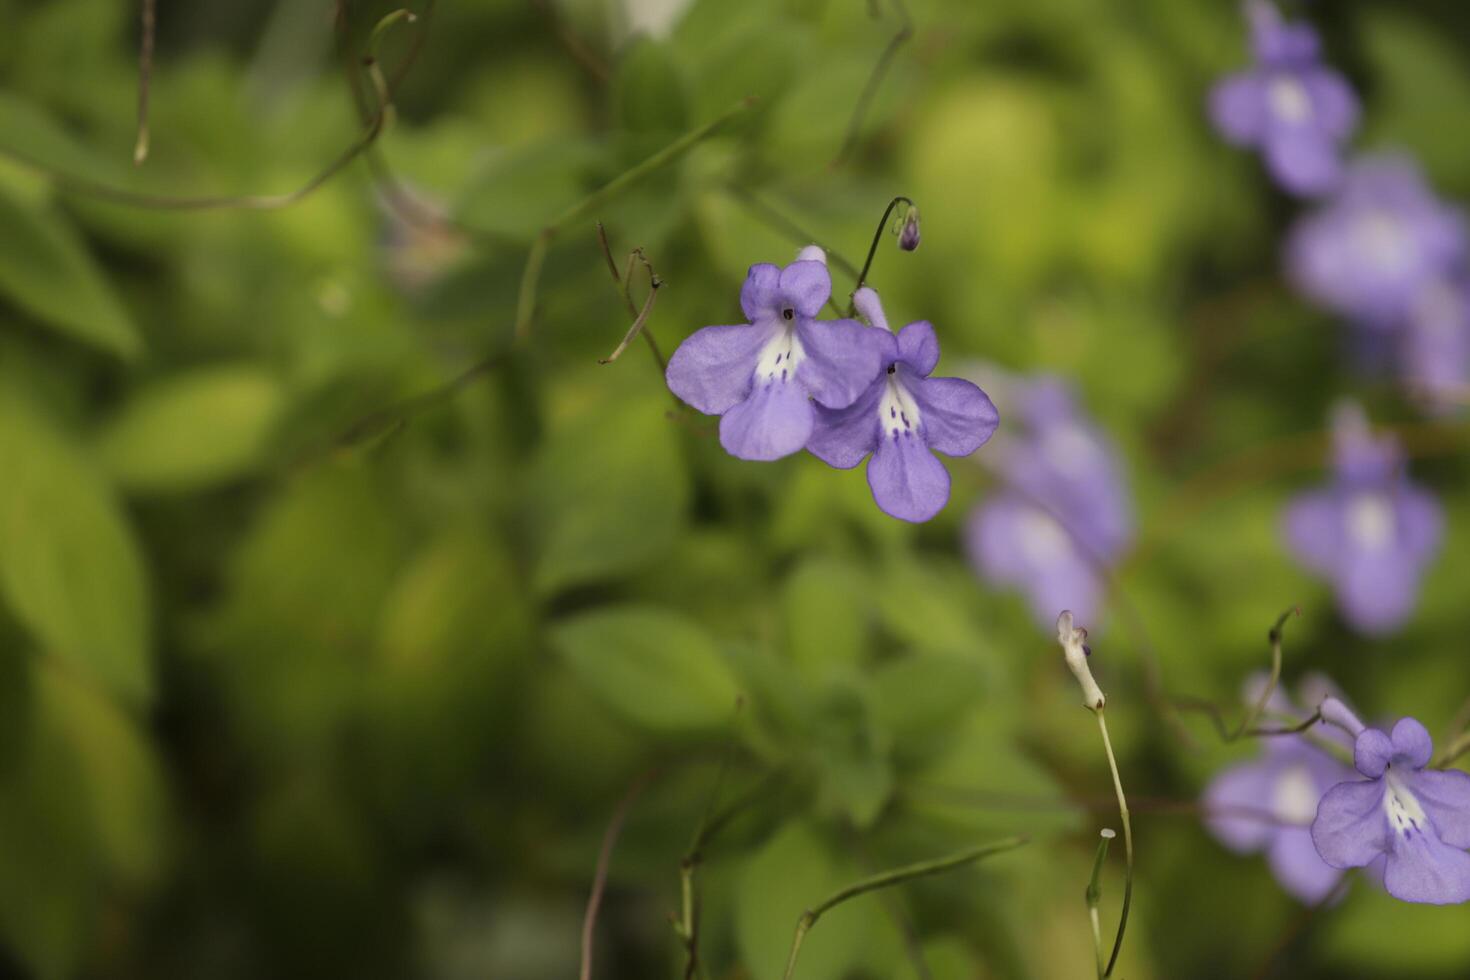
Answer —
1411 743
1422 868
1238 107
1313 530
1445 797
907 481
760 294
1334 105
1372 752
1421 522
958 418
918 347
841 437
1013 542
713 368
1299 868
1377 590
805 285
1238 805
1350 829
775 421
842 358
1304 161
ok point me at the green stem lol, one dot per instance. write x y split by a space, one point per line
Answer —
893 877
1094 895
1254 714
531 277
1127 843
873 248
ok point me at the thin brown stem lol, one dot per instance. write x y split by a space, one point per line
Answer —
604 858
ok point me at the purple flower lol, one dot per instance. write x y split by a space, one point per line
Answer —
1370 252
1370 532
1434 353
1268 805
1417 819
1293 109
902 418
1065 512
762 376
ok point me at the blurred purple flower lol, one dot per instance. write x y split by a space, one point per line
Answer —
761 376
1417 819
1434 353
1065 510
902 419
1372 250
1288 105
1268 804
1371 531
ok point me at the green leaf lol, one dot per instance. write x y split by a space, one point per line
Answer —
46 271
827 605
793 872
649 91
610 490
657 668
70 569
194 429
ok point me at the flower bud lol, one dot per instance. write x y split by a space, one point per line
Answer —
1074 647
812 253
908 236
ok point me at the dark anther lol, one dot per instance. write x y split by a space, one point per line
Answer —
788 313
892 368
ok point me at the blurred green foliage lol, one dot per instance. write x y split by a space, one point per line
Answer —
284 695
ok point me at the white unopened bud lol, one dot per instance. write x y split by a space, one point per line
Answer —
1074 646
812 253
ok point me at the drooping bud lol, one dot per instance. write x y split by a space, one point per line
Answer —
908 236
1074 647
812 253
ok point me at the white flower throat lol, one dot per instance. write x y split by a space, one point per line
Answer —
1370 521
1405 815
898 413
781 355
1295 796
1289 100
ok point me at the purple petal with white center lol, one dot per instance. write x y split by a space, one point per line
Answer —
1238 108
1238 802
918 347
775 421
958 418
713 368
1294 860
1304 160
1012 542
1411 743
805 285
1422 868
1350 829
841 437
842 358
1372 752
1445 798
760 294
908 482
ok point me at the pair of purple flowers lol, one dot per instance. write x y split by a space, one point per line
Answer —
1063 513
1383 251
786 381
1315 816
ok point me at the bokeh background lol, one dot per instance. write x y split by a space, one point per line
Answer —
313 666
